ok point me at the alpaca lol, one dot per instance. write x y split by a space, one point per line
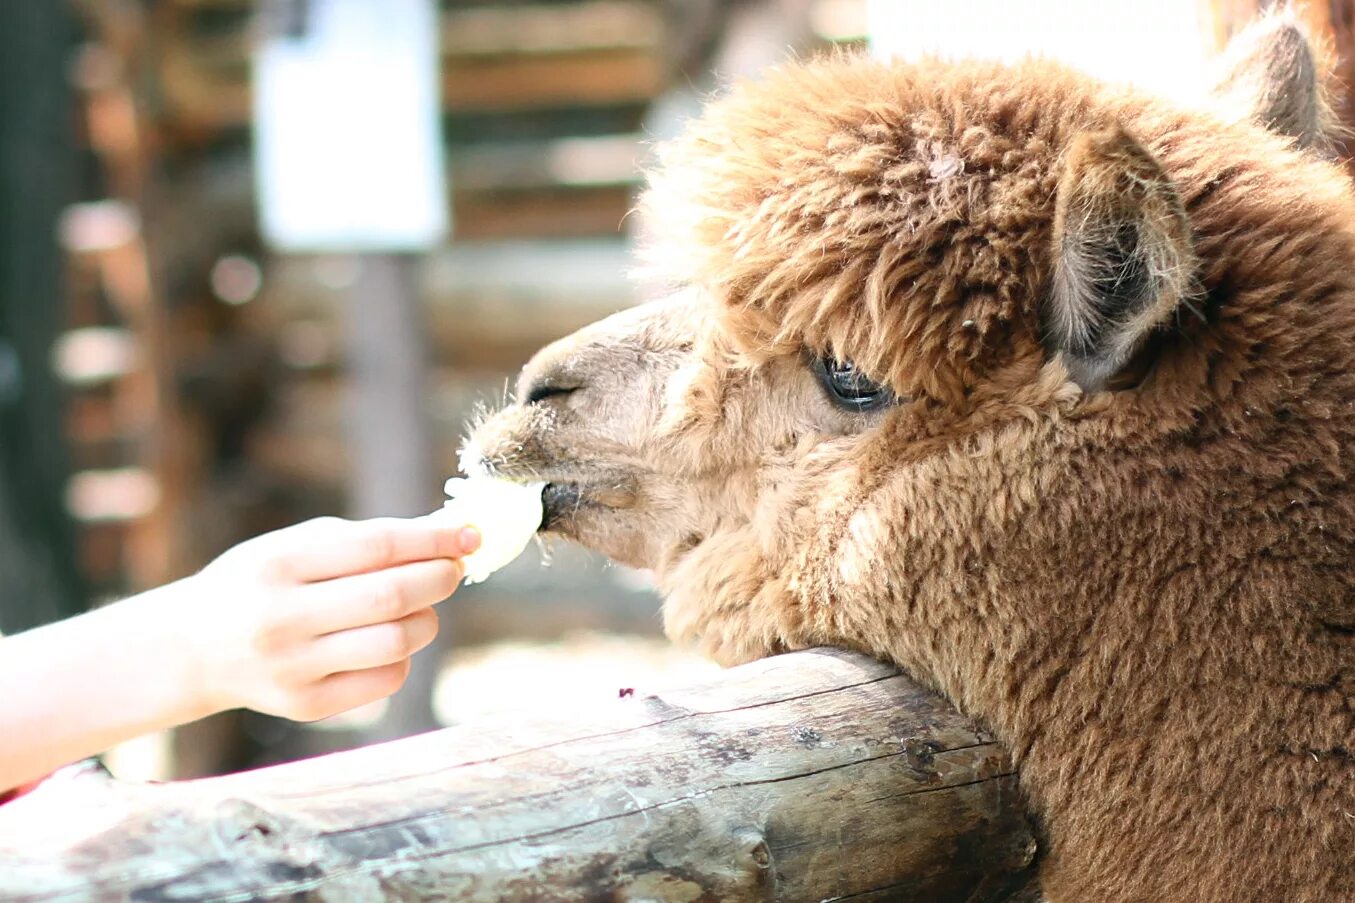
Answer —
1043 390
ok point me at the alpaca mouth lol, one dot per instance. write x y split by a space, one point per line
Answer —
562 502
557 499
572 489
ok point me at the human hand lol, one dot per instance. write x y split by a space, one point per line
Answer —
321 617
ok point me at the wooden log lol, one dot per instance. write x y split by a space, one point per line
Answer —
391 435
507 56
818 775
575 162
559 213
490 304
595 78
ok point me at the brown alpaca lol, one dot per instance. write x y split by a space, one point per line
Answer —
1044 391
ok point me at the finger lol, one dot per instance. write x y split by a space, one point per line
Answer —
468 535
342 692
367 647
375 598
331 547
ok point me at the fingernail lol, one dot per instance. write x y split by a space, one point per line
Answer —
470 539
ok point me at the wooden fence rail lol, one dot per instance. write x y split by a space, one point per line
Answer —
817 775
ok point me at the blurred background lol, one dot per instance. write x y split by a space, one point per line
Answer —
261 261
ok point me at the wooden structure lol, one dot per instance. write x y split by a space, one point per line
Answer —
38 577
216 411
817 775
226 412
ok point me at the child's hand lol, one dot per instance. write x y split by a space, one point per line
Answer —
322 617
306 622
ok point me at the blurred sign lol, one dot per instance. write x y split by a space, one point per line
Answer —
348 153
1158 45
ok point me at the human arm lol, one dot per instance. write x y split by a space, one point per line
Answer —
305 622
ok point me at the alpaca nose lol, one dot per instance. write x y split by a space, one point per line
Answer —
553 371
546 386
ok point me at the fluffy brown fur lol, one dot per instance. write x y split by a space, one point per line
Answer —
1273 74
1138 574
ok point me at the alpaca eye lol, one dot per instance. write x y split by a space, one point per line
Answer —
849 388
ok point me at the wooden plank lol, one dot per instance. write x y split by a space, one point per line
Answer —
564 79
198 103
812 776
303 445
118 239
504 58
551 28
551 213
490 303
494 29
577 162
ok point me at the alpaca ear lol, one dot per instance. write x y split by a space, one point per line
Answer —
1122 256
1270 74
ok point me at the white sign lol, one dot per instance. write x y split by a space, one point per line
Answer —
348 150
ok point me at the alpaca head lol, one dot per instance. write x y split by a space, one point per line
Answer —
872 264
1038 388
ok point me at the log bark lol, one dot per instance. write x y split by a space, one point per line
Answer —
817 775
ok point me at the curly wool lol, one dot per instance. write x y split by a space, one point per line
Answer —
1148 594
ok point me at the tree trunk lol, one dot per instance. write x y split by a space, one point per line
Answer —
812 776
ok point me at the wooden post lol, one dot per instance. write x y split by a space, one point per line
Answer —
38 581
390 435
348 159
818 775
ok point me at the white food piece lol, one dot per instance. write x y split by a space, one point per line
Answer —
506 514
